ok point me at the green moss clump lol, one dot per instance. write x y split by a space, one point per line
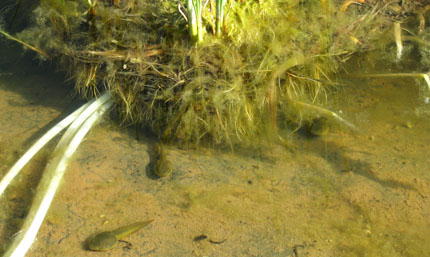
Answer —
272 65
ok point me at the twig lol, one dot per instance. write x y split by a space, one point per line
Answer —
25 44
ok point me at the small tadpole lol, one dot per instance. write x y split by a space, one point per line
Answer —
203 237
200 238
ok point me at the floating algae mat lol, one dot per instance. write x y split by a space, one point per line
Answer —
207 71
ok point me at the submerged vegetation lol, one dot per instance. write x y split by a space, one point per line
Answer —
217 71
220 72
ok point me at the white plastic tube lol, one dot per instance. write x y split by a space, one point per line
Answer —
95 105
53 174
16 168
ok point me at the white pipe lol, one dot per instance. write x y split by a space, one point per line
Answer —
53 174
37 146
96 104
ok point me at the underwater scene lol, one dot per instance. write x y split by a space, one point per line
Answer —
284 128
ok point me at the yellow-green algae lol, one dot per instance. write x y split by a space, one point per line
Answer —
274 60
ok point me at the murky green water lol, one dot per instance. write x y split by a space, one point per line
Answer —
347 193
